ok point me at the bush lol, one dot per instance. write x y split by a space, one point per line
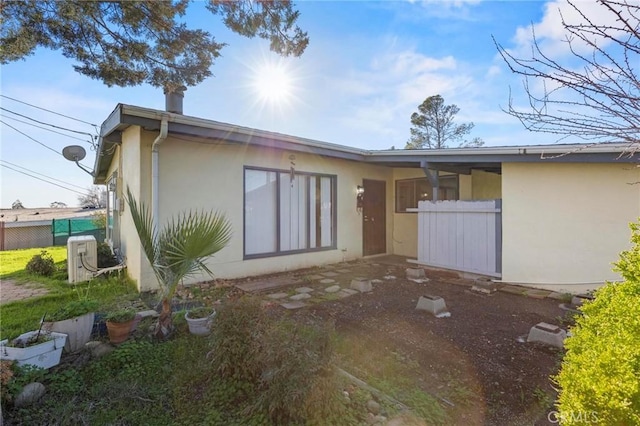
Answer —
41 264
599 376
106 257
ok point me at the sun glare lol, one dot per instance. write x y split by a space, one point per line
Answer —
273 83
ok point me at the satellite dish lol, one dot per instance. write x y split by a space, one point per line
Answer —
74 153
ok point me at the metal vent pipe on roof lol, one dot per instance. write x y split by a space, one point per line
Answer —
173 99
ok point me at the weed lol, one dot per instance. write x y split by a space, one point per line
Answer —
41 264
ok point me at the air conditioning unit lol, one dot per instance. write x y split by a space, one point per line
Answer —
82 258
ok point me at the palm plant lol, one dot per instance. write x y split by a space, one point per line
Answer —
178 250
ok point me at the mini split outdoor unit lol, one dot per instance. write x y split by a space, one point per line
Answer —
82 259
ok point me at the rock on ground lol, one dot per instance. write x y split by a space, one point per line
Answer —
30 394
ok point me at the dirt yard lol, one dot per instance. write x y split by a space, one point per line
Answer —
500 380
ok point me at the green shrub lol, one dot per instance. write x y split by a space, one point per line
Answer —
599 376
106 258
41 264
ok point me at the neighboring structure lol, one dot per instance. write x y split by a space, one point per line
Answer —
29 228
294 202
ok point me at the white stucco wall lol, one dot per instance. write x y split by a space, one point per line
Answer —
564 224
206 176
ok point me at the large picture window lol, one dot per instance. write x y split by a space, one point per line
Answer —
286 213
410 191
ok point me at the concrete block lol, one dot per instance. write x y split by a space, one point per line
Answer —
304 290
435 305
579 299
363 285
547 334
483 285
415 273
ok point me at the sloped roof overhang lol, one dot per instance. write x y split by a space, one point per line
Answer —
456 160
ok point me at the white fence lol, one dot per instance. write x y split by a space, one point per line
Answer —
461 235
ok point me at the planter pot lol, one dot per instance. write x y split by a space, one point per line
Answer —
77 329
118 331
44 355
200 326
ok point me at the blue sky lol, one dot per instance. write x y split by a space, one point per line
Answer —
367 68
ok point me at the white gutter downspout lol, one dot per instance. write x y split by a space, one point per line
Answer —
155 205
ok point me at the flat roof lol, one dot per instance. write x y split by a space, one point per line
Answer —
457 160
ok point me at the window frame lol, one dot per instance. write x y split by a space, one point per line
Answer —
415 194
278 252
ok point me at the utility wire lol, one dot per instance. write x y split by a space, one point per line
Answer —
44 128
35 140
48 177
48 110
48 124
35 177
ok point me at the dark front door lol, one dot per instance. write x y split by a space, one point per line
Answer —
374 217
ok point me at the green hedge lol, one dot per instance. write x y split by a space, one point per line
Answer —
600 375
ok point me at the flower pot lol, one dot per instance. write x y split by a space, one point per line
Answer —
118 331
200 326
44 355
77 329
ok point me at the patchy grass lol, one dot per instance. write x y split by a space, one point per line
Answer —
24 315
13 262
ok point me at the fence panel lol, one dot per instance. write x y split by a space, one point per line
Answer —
62 229
461 235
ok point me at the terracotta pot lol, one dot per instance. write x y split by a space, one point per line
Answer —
119 331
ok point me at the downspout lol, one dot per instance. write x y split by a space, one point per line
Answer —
155 205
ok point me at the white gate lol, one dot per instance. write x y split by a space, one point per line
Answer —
461 235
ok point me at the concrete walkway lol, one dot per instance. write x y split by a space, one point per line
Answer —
10 291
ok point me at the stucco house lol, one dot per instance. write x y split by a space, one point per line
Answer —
295 203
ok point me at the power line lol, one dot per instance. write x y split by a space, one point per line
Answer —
48 177
44 128
35 140
52 112
43 180
47 124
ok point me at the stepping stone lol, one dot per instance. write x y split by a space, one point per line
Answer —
349 291
376 281
484 286
557 296
276 296
537 294
304 290
343 293
327 281
332 289
330 274
419 280
316 277
389 277
513 289
343 271
363 285
300 296
293 305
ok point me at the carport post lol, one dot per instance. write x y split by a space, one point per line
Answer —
433 176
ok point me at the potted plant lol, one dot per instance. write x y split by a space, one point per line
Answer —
119 324
39 348
199 320
75 319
